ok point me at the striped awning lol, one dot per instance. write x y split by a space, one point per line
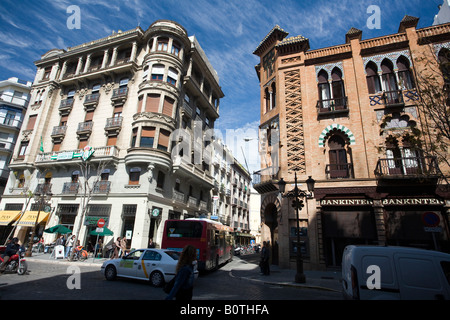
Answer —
29 218
8 216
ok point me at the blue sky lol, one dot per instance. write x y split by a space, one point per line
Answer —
228 31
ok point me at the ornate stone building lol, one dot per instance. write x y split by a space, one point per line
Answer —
348 116
140 101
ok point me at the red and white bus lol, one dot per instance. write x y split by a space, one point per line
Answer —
213 240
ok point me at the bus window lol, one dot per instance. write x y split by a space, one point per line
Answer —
185 229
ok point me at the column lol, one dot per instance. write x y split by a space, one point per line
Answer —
79 65
114 57
105 58
63 70
378 210
88 63
133 52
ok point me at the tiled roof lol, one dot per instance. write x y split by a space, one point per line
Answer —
292 40
277 28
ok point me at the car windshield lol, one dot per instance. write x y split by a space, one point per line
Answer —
173 254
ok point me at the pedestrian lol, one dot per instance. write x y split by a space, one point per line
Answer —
184 280
151 244
69 245
265 256
123 246
116 247
60 241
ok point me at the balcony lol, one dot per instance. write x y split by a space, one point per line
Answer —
58 133
178 196
339 171
70 188
102 187
393 98
91 101
119 96
203 205
84 129
65 106
43 188
332 106
113 126
408 168
192 202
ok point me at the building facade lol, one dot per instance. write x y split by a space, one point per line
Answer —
348 117
116 131
14 100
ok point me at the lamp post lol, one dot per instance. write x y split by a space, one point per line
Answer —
298 196
42 196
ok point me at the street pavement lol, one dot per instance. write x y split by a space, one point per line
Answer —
244 268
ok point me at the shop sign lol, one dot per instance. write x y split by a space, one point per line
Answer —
92 221
386 202
412 201
347 202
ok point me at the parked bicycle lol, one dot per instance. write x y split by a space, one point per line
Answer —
79 254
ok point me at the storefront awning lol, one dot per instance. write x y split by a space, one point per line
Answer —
29 218
7 216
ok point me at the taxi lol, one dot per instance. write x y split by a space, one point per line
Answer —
156 265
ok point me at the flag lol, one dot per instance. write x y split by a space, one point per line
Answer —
42 145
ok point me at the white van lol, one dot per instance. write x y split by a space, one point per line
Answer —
386 273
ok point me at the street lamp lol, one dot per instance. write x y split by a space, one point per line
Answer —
42 196
298 204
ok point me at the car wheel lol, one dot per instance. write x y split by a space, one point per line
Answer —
156 279
110 272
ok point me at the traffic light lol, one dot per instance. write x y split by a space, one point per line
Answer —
297 204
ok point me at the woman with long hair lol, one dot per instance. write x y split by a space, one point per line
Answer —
184 279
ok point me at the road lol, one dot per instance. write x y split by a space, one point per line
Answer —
57 281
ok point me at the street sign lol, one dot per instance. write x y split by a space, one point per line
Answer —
101 223
430 219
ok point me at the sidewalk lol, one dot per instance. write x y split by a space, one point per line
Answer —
320 280
47 258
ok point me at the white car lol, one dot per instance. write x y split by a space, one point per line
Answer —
156 265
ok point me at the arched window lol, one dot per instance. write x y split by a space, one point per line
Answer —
404 73
389 82
267 99
274 96
388 76
373 81
337 86
338 166
324 89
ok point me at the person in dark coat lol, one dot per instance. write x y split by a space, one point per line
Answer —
265 257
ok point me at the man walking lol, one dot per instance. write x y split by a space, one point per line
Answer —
265 256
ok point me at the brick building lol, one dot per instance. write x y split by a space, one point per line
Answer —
346 115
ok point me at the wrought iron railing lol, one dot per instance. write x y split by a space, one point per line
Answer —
407 166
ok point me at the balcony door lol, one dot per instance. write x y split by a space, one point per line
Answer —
337 154
389 83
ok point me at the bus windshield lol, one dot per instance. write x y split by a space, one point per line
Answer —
184 229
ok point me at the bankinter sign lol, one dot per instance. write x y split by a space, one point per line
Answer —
385 202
